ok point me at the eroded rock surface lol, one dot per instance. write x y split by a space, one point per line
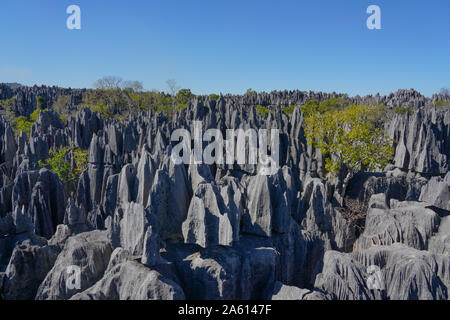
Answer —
139 226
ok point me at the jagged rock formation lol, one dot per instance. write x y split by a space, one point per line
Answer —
405 274
139 226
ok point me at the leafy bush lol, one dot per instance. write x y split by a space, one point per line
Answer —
113 101
333 104
288 110
164 105
103 109
250 92
35 114
143 101
59 163
20 124
442 104
182 99
62 106
214 96
40 102
24 124
402 111
310 107
7 106
350 139
313 106
264 111
104 101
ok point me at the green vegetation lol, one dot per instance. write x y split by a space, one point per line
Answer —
182 99
59 162
288 110
250 92
309 108
24 124
20 124
333 104
35 114
40 102
442 104
402 111
264 111
313 106
62 107
350 138
8 103
7 108
115 98
214 96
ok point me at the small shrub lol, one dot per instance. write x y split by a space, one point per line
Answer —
184 96
35 114
20 124
402 111
7 106
333 104
40 102
58 162
250 92
350 139
310 107
24 124
103 109
442 104
288 110
214 96
264 111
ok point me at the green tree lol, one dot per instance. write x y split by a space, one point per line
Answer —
310 107
108 82
264 111
115 98
59 162
62 106
288 110
24 124
182 98
214 96
250 92
7 106
313 106
40 102
442 104
350 139
402 110
20 124
333 104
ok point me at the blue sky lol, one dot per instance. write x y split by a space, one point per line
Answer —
229 46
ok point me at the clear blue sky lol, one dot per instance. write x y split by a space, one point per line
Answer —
230 45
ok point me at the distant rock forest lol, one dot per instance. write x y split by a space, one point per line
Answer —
92 206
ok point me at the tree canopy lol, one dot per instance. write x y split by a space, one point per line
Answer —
59 162
350 138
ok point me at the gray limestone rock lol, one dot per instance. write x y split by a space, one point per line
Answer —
258 218
410 223
395 272
209 221
132 281
27 268
132 227
90 252
440 242
437 192
316 214
284 292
